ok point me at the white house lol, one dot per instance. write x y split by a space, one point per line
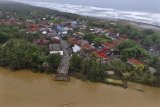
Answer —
76 48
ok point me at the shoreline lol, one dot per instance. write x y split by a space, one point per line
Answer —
73 76
80 78
139 25
134 23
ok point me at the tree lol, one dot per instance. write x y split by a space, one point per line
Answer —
135 52
92 69
3 38
54 62
97 41
155 62
90 38
20 54
96 72
75 63
126 44
122 69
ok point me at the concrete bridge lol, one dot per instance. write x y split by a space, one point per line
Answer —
62 72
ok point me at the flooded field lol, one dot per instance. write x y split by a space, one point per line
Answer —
27 89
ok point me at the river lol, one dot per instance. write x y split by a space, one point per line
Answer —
27 89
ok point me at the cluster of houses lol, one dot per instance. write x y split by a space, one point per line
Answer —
105 51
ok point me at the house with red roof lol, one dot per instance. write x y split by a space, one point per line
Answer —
136 63
101 54
42 42
32 27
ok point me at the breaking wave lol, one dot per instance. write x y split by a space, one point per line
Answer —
145 17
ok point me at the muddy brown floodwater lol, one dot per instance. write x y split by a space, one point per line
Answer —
27 89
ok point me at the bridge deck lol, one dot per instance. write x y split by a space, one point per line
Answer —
62 72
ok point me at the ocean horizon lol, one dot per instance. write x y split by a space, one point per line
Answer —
148 13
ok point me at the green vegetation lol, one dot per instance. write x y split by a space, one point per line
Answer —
130 49
93 38
8 32
53 62
92 69
88 67
155 62
19 54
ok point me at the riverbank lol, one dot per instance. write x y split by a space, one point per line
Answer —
26 89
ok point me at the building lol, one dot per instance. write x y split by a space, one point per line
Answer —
42 42
33 28
134 61
76 48
54 44
139 66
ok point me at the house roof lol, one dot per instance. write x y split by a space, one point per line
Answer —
32 27
135 61
101 54
73 41
83 42
42 41
109 45
76 48
86 46
114 44
55 41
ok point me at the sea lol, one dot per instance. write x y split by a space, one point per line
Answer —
145 11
